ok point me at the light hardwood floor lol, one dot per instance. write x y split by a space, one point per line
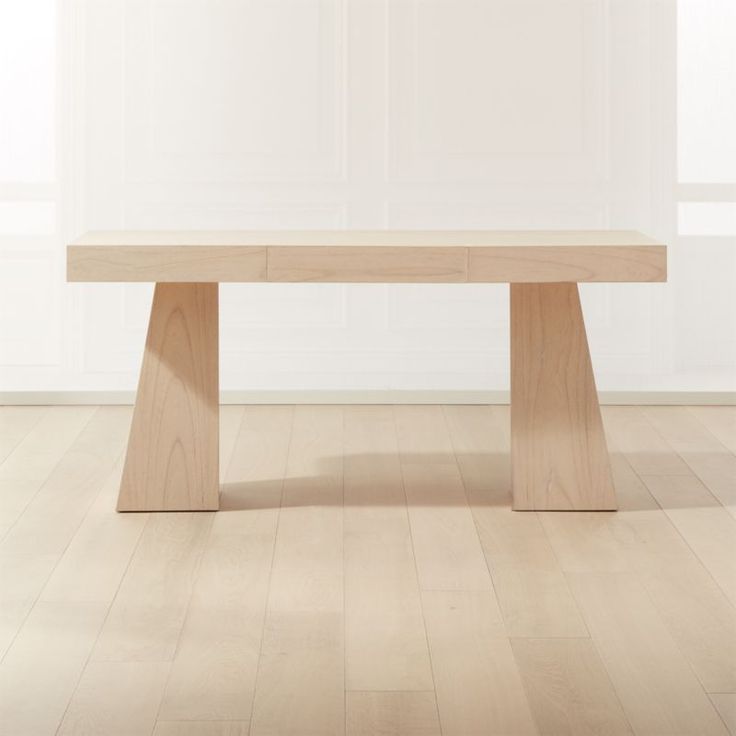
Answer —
366 575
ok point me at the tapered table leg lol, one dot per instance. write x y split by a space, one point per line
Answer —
559 459
172 462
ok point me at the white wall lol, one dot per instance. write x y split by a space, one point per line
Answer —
361 114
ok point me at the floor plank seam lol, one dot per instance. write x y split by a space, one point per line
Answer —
60 556
270 569
94 412
102 624
416 570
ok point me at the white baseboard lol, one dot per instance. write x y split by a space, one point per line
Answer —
663 398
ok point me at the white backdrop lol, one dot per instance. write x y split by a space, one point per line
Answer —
367 113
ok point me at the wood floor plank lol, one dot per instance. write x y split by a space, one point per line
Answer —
537 603
201 728
643 446
34 458
720 422
98 554
22 577
481 442
706 456
620 542
479 689
300 683
446 545
336 638
631 492
90 568
41 669
52 517
646 544
385 639
31 550
308 557
392 714
300 688
214 671
147 616
725 704
102 704
231 417
707 527
568 688
585 542
700 618
15 423
422 435
658 690
531 588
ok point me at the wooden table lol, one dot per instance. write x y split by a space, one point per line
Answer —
559 458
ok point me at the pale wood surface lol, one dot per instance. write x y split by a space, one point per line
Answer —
529 583
477 681
558 448
382 256
103 696
568 688
172 457
657 688
301 680
385 640
392 714
214 677
725 704
15 424
177 623
201 728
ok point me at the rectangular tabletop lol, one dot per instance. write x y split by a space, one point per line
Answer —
365 256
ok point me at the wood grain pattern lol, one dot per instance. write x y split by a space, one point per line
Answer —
556 263
658 690
725 704
385 639
703 523
87 651
300 685
392 714
720 421
101 702
559 459
145 620
213 675
39 673
479 690
568 688
702 452
201 728
52 518
162 263
359 264
378 256
172 462
25 470
15 423
701 619
527 578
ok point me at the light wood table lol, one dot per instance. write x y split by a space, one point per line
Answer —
558 450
